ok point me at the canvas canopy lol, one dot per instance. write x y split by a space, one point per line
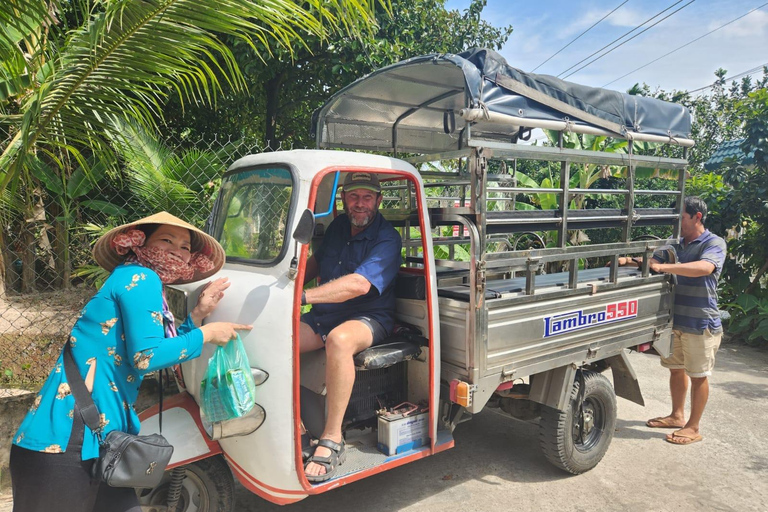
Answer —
438 102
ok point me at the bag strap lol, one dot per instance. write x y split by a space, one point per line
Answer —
88 410
160 401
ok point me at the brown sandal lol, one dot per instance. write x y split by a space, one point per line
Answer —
683 439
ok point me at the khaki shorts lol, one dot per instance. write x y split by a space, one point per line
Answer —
693 352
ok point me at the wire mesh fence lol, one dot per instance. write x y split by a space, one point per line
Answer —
47 273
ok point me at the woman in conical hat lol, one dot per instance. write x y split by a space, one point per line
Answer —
124 332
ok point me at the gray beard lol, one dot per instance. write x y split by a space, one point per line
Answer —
366 221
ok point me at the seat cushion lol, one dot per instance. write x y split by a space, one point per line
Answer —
387 354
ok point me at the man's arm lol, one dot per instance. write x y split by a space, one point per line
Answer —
342 289
691 269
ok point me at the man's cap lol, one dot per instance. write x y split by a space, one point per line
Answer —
366 180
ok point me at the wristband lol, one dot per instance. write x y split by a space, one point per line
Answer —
303 298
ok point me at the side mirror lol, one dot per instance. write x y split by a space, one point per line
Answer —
305 228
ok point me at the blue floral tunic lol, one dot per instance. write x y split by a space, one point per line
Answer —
121 330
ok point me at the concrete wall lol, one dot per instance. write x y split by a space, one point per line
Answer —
14 404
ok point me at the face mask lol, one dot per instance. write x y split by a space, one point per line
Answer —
169 267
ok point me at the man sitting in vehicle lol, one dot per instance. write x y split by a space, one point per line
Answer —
352 308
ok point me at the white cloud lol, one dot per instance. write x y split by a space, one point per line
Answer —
628 17
755 24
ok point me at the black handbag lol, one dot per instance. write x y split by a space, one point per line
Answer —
125 460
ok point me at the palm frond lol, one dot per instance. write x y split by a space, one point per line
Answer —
126 58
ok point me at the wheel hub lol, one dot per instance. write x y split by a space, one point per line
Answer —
588 420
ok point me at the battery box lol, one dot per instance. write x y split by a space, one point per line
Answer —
398 434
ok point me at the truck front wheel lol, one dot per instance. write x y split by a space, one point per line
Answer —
576 439
207 486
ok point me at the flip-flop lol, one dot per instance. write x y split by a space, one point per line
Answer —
331 463
661 423
683 439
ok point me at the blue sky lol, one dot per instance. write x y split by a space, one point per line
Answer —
543 27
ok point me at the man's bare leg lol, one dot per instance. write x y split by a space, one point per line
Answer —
309 340
699 398
678 389
341 345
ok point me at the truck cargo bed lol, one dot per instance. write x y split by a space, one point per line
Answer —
518 334
499 288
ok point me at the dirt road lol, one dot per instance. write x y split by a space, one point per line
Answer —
497 464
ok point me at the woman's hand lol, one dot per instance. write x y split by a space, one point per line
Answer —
209 298
220 333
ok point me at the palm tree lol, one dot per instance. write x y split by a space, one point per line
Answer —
122 58
69 68
159 177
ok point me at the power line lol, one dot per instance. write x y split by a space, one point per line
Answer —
631 38
734 77
620 37
687 44
577 37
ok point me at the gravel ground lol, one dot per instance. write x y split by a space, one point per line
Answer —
497 464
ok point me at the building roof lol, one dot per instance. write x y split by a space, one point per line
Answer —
730 149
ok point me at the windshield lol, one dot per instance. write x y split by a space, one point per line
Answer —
252 214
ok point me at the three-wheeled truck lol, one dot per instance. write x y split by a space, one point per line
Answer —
500 302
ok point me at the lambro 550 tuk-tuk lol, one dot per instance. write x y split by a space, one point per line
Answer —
504 298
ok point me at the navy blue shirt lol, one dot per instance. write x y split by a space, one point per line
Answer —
696 297
373 253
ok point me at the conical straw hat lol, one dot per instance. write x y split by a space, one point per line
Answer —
106 256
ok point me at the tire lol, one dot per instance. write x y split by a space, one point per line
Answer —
208 486
560 432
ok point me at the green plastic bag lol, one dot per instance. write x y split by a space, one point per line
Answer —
228 390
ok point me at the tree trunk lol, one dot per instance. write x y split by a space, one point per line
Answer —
61 252
272 90
3 272
756 280
27 258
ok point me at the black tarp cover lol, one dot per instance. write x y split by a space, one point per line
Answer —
413 105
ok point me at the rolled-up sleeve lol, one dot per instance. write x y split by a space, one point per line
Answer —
714 253
382 263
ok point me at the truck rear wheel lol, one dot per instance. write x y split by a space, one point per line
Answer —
575 440
208 486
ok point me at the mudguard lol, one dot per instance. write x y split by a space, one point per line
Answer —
182 428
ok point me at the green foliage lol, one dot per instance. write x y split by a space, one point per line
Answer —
124 58
716 116
750 319
744 206
287 84
181 183
754 109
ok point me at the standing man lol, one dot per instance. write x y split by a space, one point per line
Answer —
697 329
352 308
